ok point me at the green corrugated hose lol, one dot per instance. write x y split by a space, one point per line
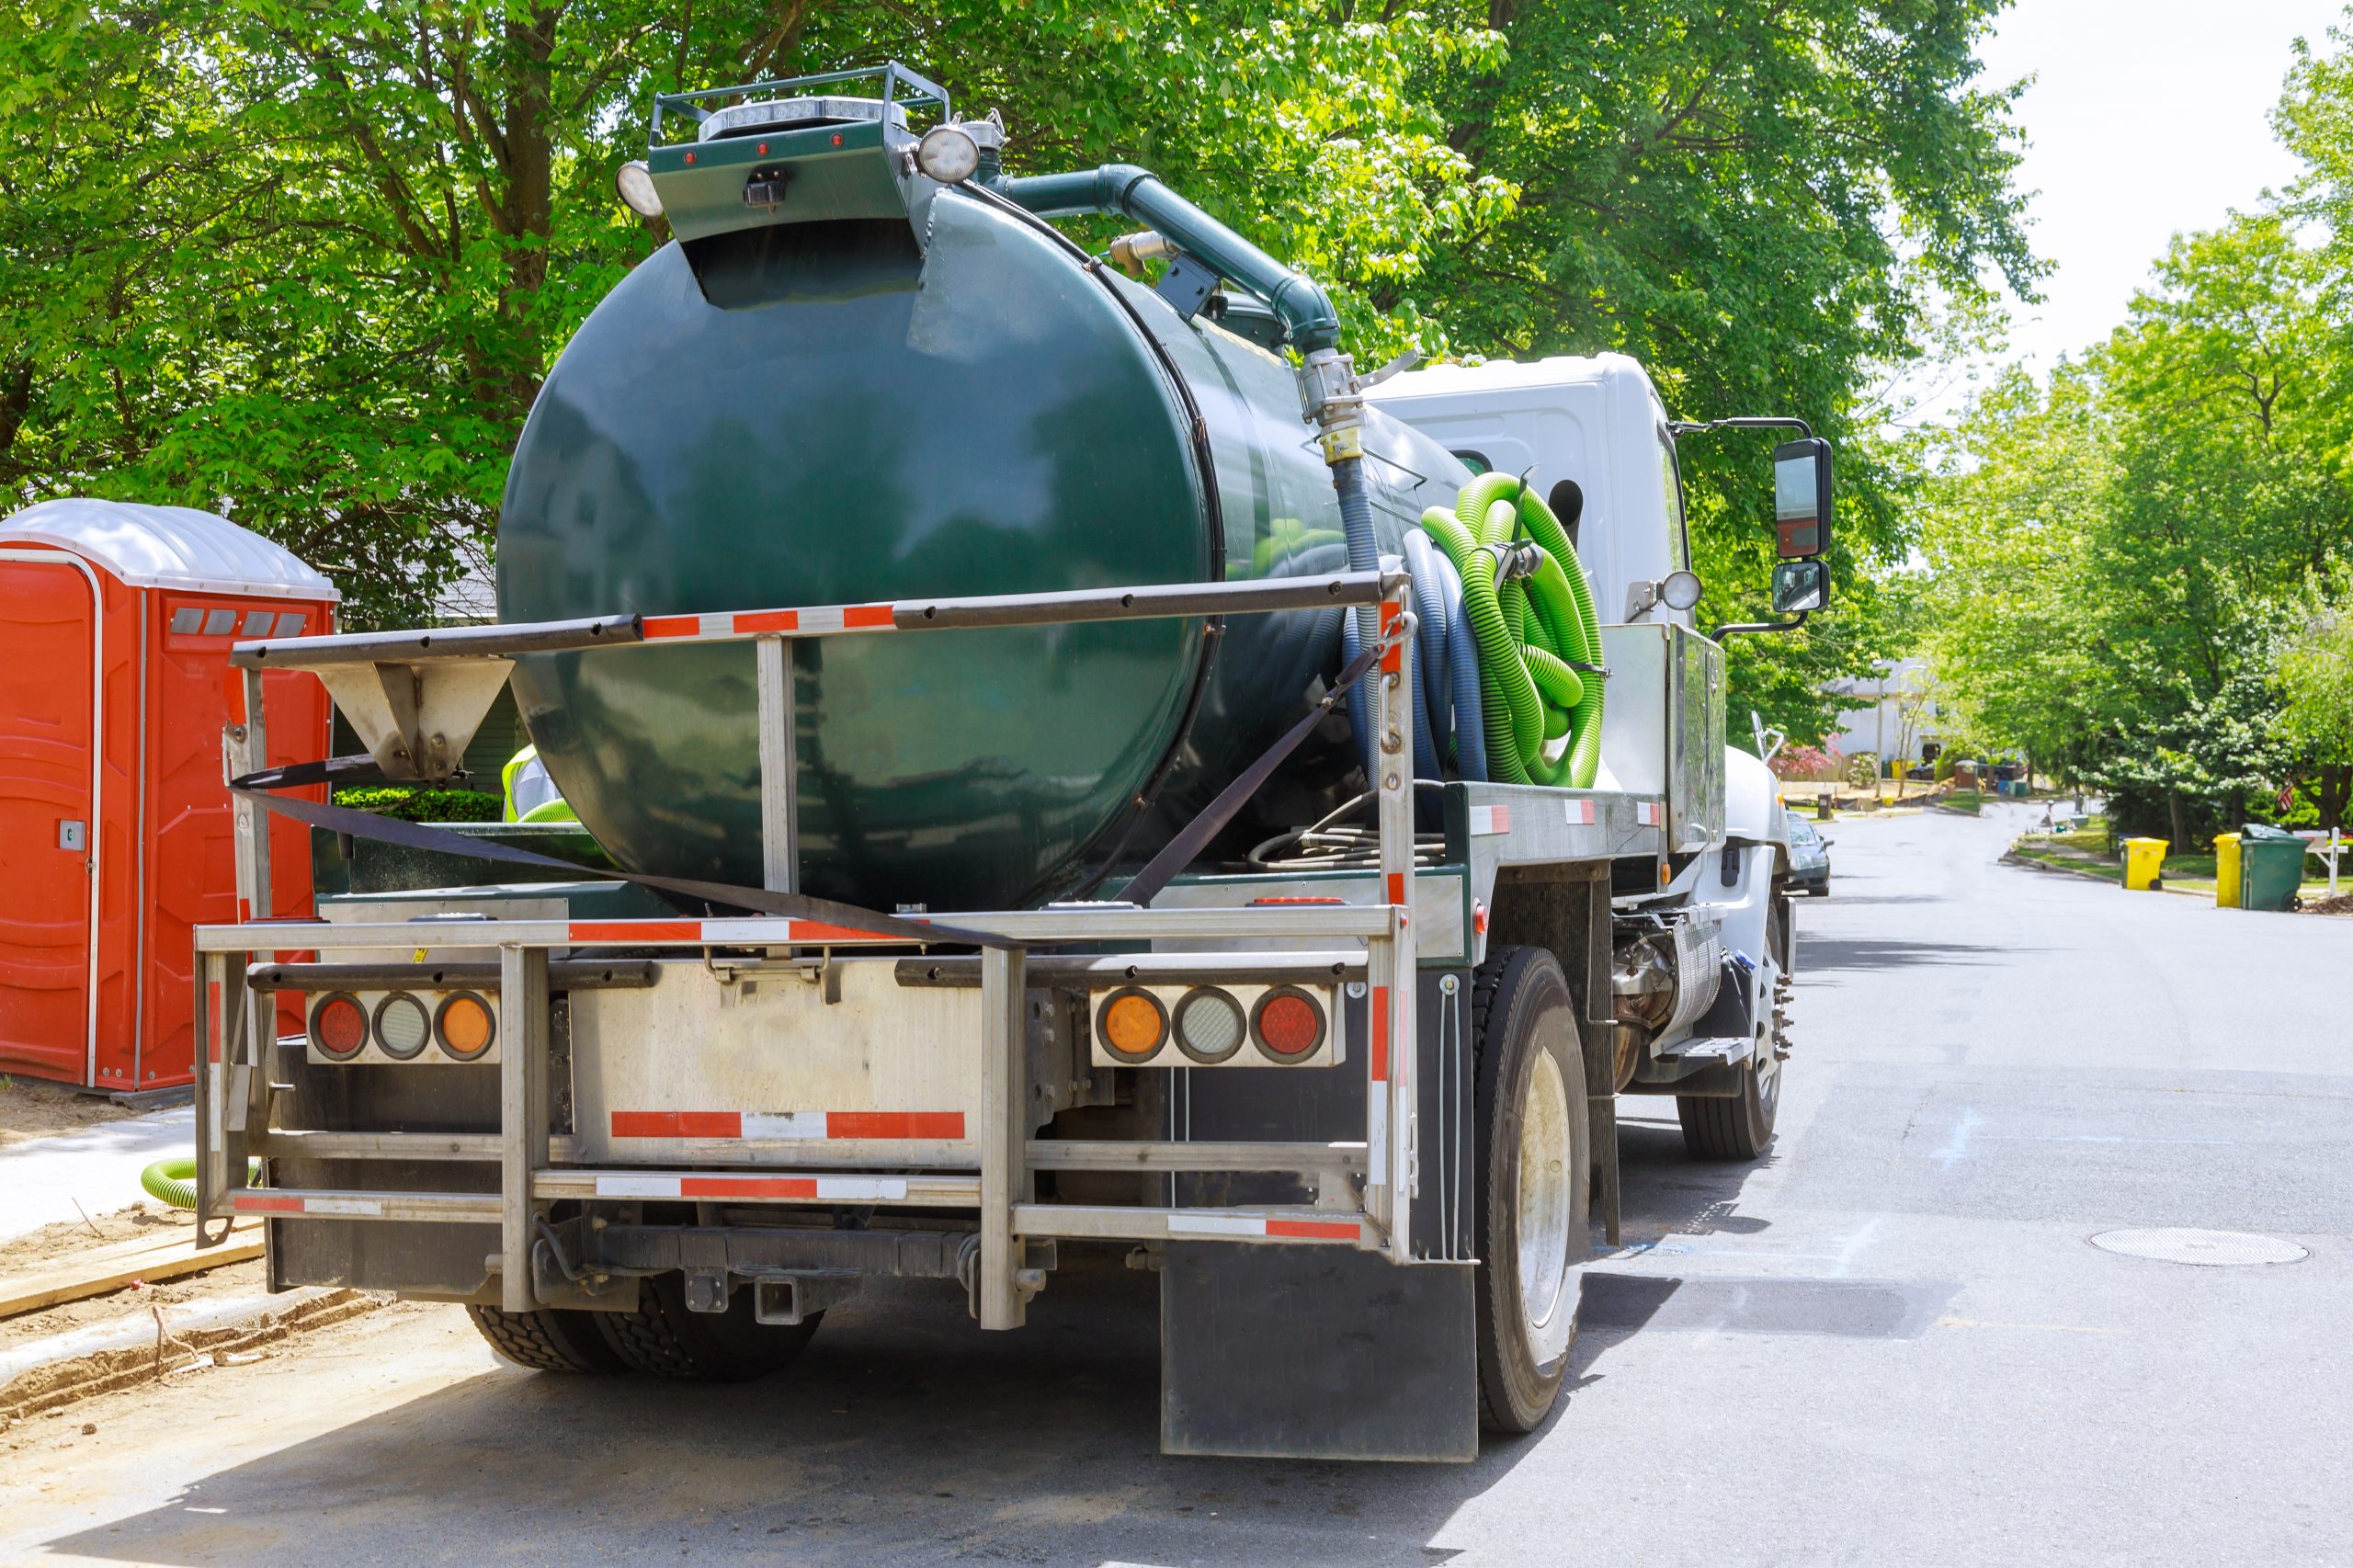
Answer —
173 1182
1535 634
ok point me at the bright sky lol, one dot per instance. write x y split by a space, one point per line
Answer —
2146 118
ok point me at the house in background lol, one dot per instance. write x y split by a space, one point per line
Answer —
1890 713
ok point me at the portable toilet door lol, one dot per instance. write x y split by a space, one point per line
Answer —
116 834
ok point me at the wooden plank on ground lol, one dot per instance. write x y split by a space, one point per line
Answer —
110 1268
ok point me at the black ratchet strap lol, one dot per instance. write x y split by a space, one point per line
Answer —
256 786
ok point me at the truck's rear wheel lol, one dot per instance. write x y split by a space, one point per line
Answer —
551 1339
1534 1182
662 1339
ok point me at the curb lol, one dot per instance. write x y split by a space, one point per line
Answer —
2012 857
48 1374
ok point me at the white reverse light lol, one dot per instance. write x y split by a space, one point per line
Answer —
948 153
635 182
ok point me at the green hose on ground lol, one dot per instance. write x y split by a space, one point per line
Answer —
173 1182
1538 636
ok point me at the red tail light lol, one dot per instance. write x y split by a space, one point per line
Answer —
1288 1024
339 1026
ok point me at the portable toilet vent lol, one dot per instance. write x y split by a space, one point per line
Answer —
116 622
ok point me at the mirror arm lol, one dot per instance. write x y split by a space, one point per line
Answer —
1721 633
1681 428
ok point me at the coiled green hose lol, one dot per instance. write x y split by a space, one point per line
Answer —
1538 636
173 1182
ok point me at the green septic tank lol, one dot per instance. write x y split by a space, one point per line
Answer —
933 398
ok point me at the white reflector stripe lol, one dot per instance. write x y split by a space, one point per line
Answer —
1578 813
1650 813
637 1187
794 1125
1214 1225
1486 821
341 1206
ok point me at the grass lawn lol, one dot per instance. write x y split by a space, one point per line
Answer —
2030 849
2091 850
1963 800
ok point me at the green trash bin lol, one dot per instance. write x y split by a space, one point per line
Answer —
2271 867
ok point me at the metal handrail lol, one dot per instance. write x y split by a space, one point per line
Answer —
890 72
1157 601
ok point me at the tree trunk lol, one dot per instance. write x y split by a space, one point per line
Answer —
2336 784
2180 821
16 401
530 182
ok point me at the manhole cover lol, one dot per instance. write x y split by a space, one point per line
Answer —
2214 1247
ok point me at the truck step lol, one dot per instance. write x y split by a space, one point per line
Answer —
1728 1048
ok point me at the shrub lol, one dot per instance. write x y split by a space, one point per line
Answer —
1812 763
419 803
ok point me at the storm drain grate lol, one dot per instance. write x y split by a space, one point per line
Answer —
2216 1248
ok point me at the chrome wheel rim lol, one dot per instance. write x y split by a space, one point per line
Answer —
1545 1183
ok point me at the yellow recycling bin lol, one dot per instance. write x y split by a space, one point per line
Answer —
2226 870
2144 859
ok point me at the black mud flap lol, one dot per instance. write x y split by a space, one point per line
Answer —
1316 1352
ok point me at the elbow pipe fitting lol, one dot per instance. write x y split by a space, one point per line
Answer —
1125 191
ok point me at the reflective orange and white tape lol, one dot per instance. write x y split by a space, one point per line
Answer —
721 626
1213 1226
846 1190
790 1126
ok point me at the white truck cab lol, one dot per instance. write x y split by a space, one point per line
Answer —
1595 435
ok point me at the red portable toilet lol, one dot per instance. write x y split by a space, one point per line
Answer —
115 831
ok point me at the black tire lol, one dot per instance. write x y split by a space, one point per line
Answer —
552 1339
662 1339
1731 1126
1520 1011
1739 1126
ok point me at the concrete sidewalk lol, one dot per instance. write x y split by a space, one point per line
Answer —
97 1167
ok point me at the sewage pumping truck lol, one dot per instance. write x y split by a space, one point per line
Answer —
1057 762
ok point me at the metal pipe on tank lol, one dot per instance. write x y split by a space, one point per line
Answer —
1125 191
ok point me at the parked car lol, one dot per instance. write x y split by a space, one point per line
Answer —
1808 859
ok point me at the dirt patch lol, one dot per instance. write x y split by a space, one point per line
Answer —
51 1243
250 1278
54 1246
179 1352
30 1109
2341 904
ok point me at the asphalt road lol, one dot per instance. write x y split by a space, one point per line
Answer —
1890 1343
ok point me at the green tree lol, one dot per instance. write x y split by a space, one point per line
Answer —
307 260
2316 683
2115 551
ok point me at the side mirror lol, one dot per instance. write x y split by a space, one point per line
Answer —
1801 586
1801 497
